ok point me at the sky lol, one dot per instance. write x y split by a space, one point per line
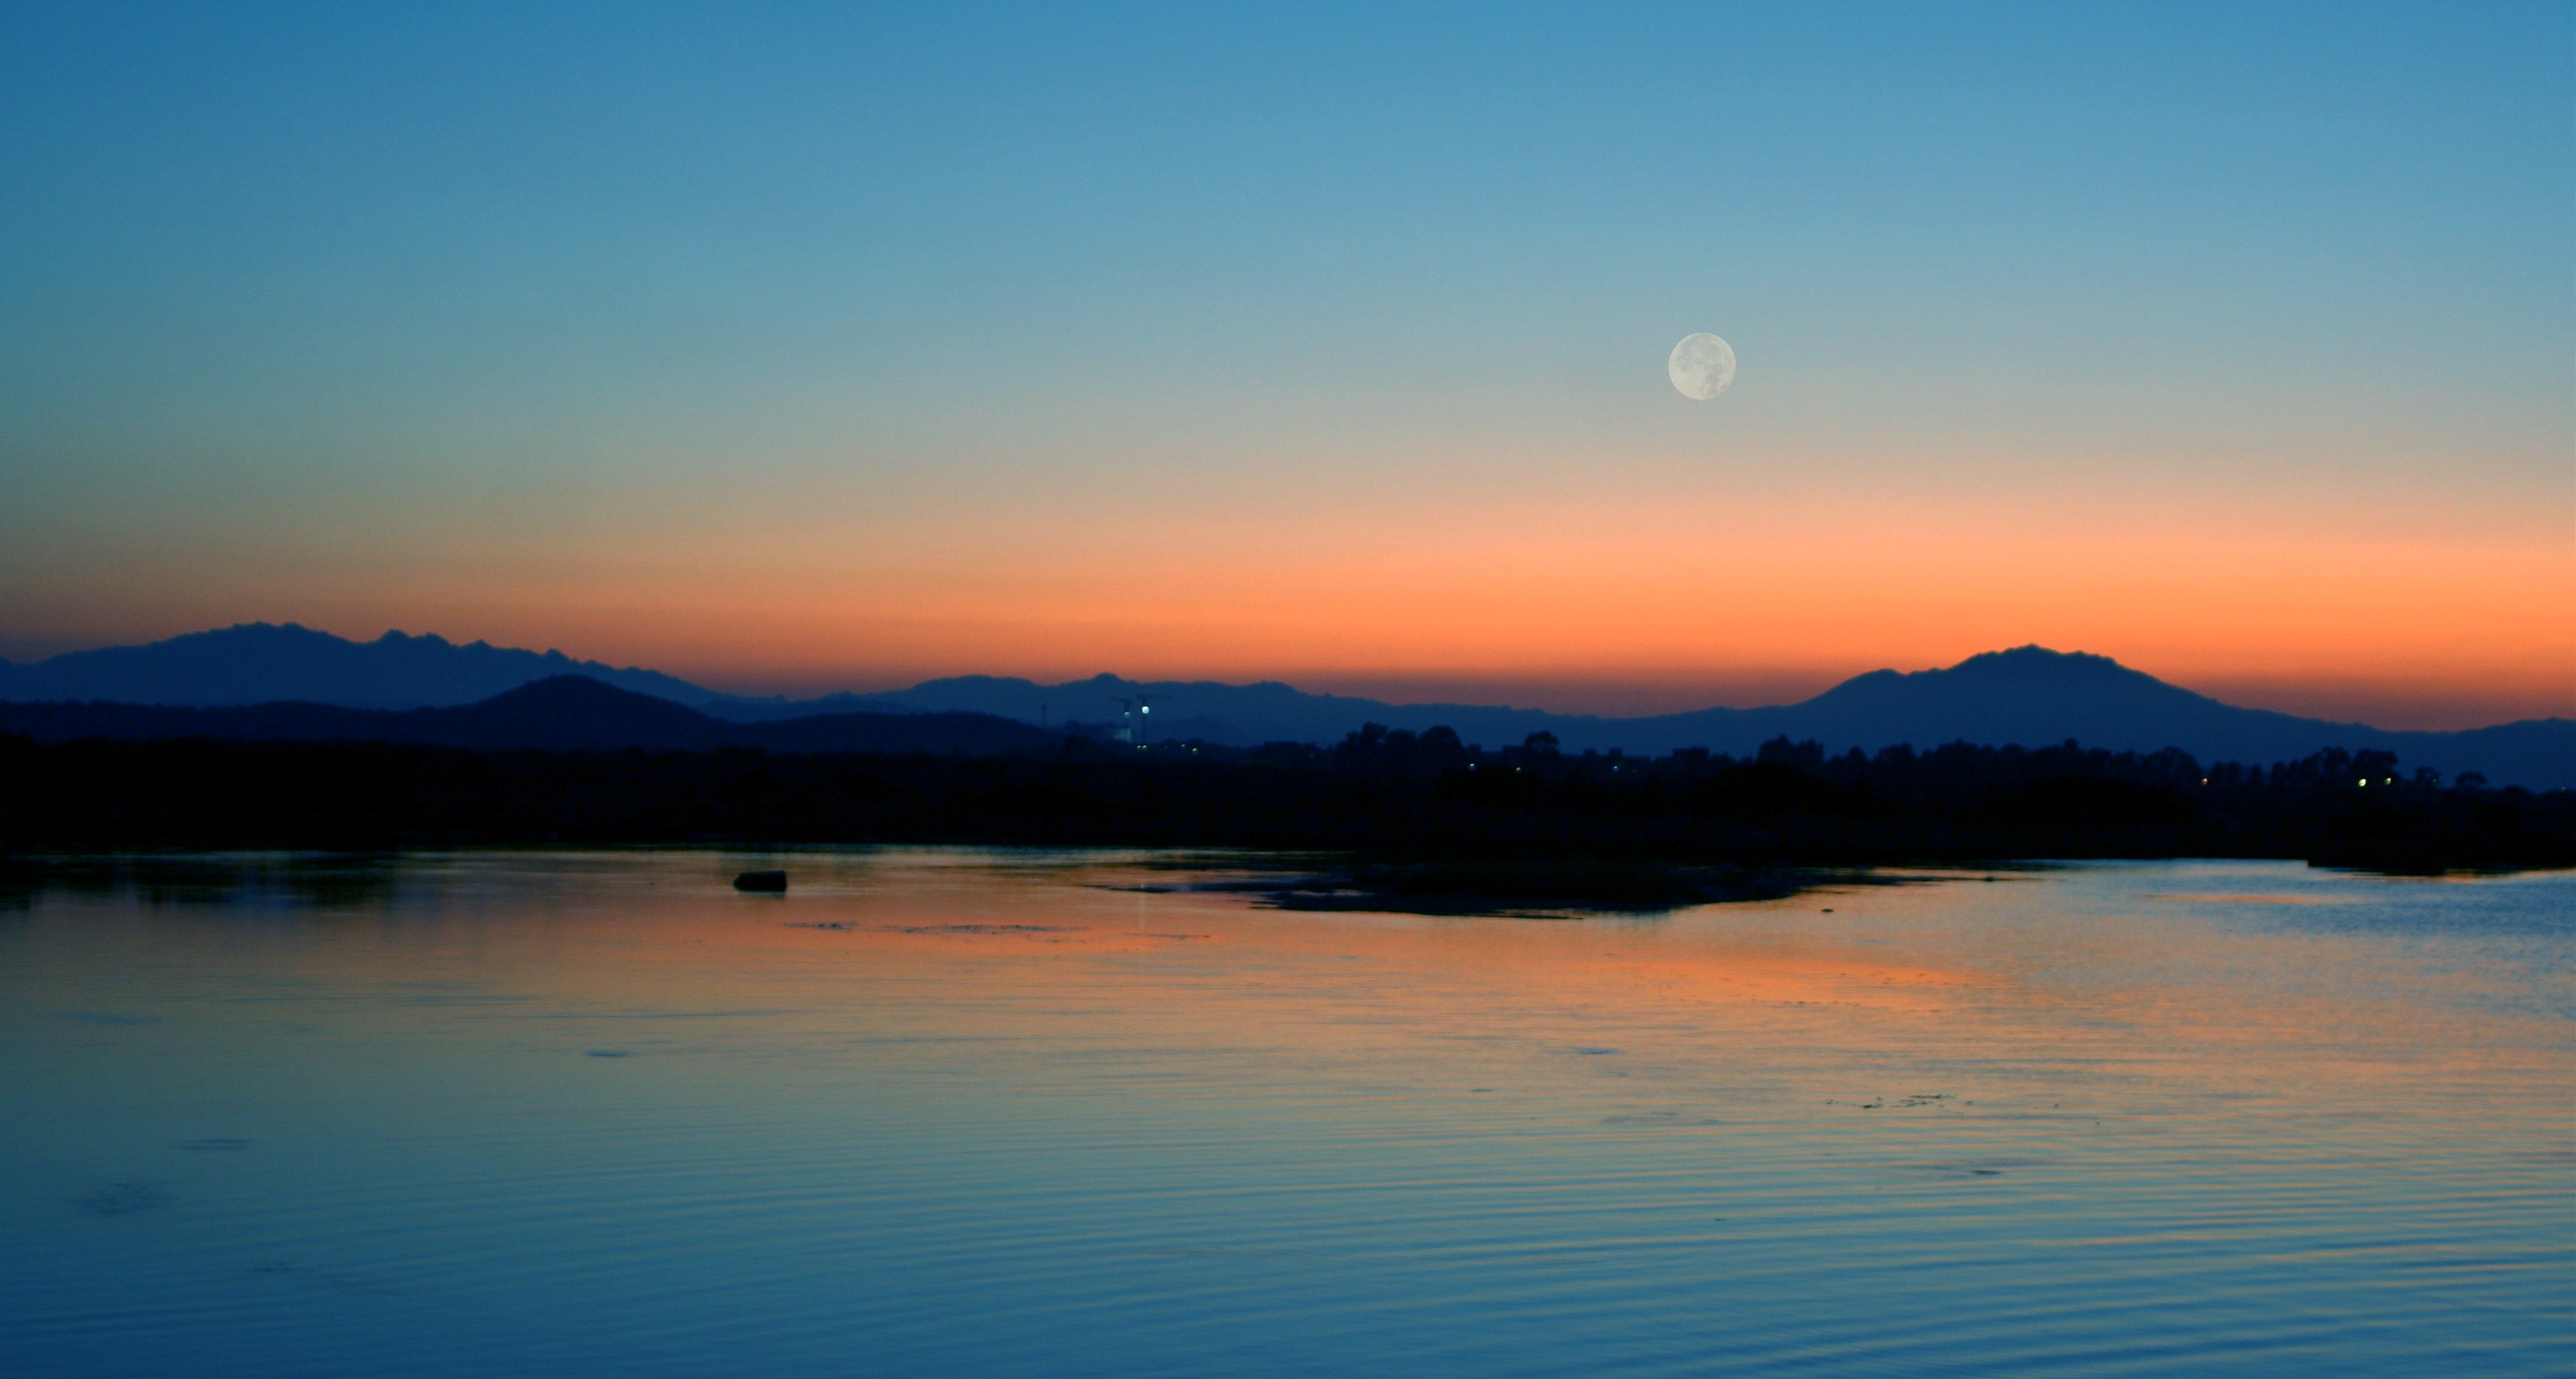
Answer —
803 348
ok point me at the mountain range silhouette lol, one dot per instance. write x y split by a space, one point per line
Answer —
2028 696
558 713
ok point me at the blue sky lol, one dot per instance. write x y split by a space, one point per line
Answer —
296 302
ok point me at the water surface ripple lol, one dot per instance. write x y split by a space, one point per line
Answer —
1002 1113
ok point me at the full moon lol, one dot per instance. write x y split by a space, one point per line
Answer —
1702 366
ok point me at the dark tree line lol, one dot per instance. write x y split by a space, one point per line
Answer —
1379 792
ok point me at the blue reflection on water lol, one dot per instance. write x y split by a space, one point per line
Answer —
980 1113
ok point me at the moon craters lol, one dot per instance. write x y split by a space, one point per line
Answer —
1702 365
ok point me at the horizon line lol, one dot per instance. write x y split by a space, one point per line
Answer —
1636 683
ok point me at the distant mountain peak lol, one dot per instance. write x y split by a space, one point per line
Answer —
572 689
280 631
2031 667
2038 659
2031 695
261 662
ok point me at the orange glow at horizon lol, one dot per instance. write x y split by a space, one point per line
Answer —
1581 606
876 353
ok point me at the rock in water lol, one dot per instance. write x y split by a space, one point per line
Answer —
773 882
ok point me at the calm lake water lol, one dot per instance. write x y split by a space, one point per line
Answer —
988 1113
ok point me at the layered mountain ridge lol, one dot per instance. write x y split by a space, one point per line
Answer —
558 713
2028 696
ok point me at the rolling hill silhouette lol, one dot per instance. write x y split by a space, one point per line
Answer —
265 663
561 713
2029 696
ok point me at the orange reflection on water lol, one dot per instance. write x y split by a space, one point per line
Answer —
967 1096
1992 993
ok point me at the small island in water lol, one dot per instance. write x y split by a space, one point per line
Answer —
1402 820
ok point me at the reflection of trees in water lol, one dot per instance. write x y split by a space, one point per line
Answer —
295 880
